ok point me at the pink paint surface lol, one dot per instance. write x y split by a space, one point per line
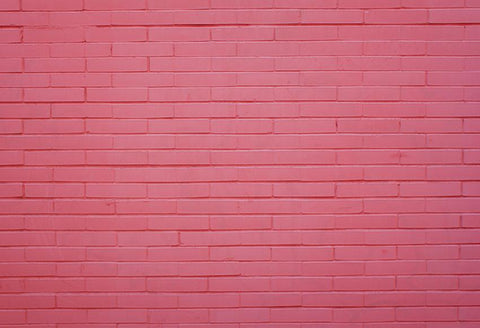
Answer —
240 163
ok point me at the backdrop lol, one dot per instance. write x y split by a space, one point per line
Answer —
240 163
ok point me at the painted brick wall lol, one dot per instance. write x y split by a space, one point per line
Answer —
240 163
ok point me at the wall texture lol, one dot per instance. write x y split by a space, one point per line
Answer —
240 163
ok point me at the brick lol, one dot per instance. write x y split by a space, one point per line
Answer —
303 190
25 269
142 300
117 64
54 223
394 78
332 16
11 65
242 94
305 284
11 190
306 33
239 253
244 315
430 189
10 5
81 110
142 17
179 34
54 65
11 95
10 317
364 253
242 33
78 18
397 16
368 93
110 284
268 49
55 254
54 95
142 49
139 110
85 300
116 157
86 238
173 64
303 222
115 34
61 190
116 191
81 80
396 48
428 252
179 94
53 126
53 35
430 314
114 5
10 35
366 283
332 298
141 80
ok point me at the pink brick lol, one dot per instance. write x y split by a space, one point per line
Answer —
55 65
11 190
52 5
364 283
141 79
178 94
119 315
86 300
116 191
368 93
117 64
142 300
117 34
428 252
183 4
430 189
430 314
180 64
396 16
171 315
243 4
54 95
81 79
10 35
116 94
10 5
59 126
306 33
61 190
115 284
10 65
178 34
366 189
118 5
116 157
55 35
302 222
142 17
239 163
246 33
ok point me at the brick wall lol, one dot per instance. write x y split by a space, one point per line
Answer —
240 163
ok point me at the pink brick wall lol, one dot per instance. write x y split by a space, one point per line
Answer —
240 163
